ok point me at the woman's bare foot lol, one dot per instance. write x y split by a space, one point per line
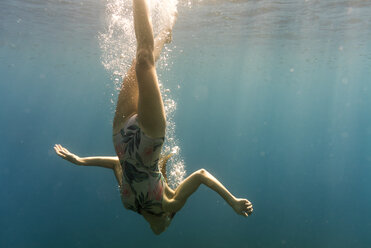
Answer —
242 207
173 18
168 36
169 30
164 37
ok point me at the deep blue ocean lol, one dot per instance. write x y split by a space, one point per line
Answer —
273 98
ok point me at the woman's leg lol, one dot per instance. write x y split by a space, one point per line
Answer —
151 115
127 103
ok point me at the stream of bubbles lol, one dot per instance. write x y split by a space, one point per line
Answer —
118 46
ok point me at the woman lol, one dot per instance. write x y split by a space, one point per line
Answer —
138 135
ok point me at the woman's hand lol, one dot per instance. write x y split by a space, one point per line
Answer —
67 155
242 207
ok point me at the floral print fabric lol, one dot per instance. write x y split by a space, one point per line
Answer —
143 183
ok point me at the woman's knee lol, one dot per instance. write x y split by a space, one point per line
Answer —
202 173
144 59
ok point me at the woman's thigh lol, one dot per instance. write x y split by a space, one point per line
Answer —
127 102
151 113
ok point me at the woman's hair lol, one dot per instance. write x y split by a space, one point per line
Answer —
162 164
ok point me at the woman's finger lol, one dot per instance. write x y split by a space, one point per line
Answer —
61 148
56 150
65 150
60 154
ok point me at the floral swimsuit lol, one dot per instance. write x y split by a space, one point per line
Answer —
143 184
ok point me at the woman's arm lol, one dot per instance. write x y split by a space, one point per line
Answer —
106 162
191 184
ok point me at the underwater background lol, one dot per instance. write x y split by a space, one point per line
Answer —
271 97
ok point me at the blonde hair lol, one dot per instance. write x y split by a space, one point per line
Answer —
162 164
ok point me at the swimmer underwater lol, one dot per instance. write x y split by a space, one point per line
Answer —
138 135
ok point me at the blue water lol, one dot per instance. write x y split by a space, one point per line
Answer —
274 99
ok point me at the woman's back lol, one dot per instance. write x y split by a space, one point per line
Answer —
143 184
